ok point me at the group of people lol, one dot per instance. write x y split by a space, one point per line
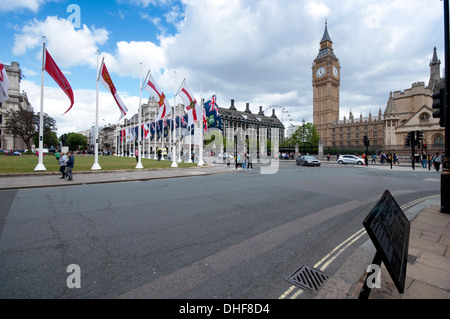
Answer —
66 163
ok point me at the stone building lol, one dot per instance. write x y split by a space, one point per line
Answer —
408 110
253 125
16 100
232 120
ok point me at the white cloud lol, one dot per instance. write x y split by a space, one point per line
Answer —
69 46
261 52
14 5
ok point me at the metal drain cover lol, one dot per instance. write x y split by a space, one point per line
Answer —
308 278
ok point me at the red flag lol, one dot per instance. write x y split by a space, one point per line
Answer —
164 106
192 107
107 82
53 70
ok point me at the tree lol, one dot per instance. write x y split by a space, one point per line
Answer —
25 124
306 135
76 141
21 123
50 139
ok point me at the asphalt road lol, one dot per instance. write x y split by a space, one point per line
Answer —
235 235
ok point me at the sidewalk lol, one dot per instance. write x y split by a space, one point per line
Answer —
428 269
51 179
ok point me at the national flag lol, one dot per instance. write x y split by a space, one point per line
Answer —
152 131
205 123
107 82
155 91
54 71
129 136
146 130
136 133
159 128
122 134
192 107
212 113
4 83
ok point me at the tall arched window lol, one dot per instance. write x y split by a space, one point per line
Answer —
438 140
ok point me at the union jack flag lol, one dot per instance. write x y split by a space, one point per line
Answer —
213 106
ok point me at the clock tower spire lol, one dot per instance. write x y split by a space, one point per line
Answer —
326 82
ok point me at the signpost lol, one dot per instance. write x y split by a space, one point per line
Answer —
388 228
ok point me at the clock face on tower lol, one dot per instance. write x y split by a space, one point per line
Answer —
320 72
335 72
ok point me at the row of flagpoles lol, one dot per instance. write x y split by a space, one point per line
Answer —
194 109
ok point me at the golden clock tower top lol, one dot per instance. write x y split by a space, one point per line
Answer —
326 45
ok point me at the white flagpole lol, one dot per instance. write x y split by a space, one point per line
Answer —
179 136
139 164
200 145
174 149
96 165
40 166
190 144
155 137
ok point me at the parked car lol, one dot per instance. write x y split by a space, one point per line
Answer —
350 159
224 156
308 160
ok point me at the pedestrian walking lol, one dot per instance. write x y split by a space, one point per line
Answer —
136 153
62 165
69 167
396 159
437 161
159 154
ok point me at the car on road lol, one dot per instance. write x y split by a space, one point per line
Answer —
307 160
350 159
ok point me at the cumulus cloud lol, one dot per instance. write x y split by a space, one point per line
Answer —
69 46
262 52
13 5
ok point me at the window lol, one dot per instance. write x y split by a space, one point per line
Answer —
424 118
438 141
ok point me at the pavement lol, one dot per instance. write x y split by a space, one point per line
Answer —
428 268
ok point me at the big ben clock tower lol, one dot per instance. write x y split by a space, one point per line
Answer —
326 81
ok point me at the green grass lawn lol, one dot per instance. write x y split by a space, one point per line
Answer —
27 163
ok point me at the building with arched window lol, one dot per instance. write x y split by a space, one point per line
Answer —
405 111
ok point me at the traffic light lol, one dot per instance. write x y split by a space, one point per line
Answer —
439 106
419 137
410 140
424 146
366 140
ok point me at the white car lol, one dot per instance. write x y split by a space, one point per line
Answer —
350 159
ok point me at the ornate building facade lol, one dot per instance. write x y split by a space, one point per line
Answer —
16 100
408 110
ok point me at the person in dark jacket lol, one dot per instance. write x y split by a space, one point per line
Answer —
70 165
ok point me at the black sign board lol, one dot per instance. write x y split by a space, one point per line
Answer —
388 228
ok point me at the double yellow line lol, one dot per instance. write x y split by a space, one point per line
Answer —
339 249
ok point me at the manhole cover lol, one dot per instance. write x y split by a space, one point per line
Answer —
308 278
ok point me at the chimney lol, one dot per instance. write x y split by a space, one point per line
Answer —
273 113
247 108
232 105
260 111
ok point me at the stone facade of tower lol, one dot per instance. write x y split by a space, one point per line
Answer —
405 111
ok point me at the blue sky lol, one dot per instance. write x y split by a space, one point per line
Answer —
257 52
